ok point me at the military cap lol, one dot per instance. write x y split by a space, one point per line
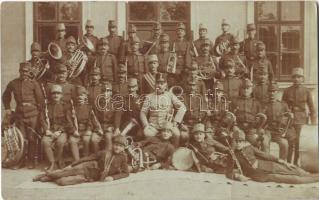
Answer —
120 139
218 86
202 26
132 28
56 89
81 90
60 26
297 71
181 26
89 23
235 40
102 41
71 39
229 63
157 26
160 77
198 128
96 71
135 40
273 87
60 68
225 22
35 46
164 37
106 85
251 27
260 45
132 82
112 23
152 58
246 83
25 66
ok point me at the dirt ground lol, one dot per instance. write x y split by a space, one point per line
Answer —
149 185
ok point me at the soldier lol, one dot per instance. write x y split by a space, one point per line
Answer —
250 118
56 120
152 46
277 113
241 68
109 117
248 46
60 34
102 166
135 61
121 86
148 81
231 83
125 48
36 60
29 99
182 49
115 41
202 31
159 107
261 64
106 61
89 28
225 38
163 54
298 99
95 86
86 123
260 92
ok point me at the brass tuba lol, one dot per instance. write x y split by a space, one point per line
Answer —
77 62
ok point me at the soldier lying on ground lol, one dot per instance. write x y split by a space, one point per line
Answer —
102 166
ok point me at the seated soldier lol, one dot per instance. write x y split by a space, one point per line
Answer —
264 167
86 123
102 166
148 82
56 120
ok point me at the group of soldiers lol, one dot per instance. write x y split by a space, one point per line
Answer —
210 98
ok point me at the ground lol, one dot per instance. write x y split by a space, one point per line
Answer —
149 185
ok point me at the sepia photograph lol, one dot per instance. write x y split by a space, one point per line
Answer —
152 100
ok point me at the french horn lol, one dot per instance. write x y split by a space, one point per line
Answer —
222 48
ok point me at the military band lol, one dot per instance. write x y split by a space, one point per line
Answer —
93 101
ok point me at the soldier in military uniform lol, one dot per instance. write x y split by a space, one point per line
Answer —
95 86
160 107
60 34
106 61
250 118
29 99
298 99
231 83
241 68
260 91
225 37
121 86
248 46
148 81
115 41
89 28
261 64
202 31
86 121
56 120
163 54
125 48
35 59
152 45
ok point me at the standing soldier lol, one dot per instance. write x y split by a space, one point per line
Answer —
89 28
121 86
37 61
125 48
298 99
223 41
261 87
231 83
202 31
148 81
56 120
261 65
241 69
152 46
106 61
193 73
60 34
160 107
248 46
250 118
28 97
115 41
95 86
182 49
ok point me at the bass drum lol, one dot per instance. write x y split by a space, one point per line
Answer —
183 159
309 155
12 146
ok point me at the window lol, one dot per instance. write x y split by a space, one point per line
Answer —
280 26
48 14
144 14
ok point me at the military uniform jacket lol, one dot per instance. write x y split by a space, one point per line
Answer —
182 49
108 65
68 91
107 114
156 47
248 47
94 91
125 49
298 98
261 93
60 118
208 147
198 43
135 65
93 39
85 117
207 61
196 107
28 97
121 88
132 108
115 42
232 86
148 83
262 66
225 37
163 61
241 67
158 107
